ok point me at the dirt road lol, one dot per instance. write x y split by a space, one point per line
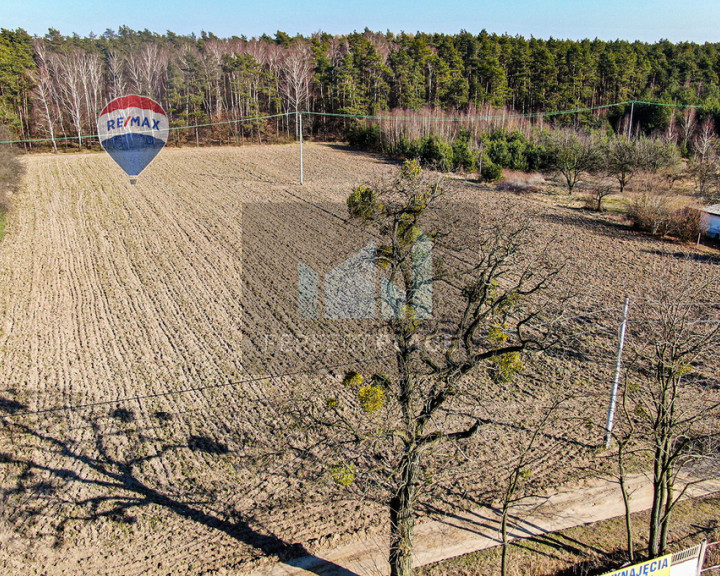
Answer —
479 529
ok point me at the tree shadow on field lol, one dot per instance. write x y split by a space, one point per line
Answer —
608 229
600 564
486 521
119 488
207 445
687 256
561 440
11 406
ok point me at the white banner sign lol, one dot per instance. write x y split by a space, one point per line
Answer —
684 563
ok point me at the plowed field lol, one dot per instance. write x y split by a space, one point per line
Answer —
131 305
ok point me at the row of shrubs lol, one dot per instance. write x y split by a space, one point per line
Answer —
489 155
653 213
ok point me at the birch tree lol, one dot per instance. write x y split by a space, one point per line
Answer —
296 72
116 74
45 92
70 70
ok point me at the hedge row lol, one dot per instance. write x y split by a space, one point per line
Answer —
489 155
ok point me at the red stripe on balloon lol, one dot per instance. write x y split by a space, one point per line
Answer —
132 101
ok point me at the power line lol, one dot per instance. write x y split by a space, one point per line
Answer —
231 383
669 303
667 104
451 119
583 315
92 136
497 115
198 388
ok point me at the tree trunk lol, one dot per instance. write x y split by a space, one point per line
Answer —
665 522
628 523
503 528
402 516
658 505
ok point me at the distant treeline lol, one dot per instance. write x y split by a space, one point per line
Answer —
55 86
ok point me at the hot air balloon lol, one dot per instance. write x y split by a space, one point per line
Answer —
133 129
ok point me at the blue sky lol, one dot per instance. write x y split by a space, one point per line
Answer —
695 20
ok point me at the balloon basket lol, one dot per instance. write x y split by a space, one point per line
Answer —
133 180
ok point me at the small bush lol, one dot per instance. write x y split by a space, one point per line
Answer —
505 366
650 212
436 152
410 170
464 156
511 151
490 172
372 398
658 155
516 149
343 474
497 151
685 223
414 149
403 148
598 189
362 203
535 155
353 380
706 174
366 137
653 212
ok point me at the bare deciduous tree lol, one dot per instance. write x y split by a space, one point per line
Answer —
211 66
672 400
45 91
571 154
116 74
686 124
598 192
705 166
146 70
394 428
296 72
92 85
530 451
70 69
